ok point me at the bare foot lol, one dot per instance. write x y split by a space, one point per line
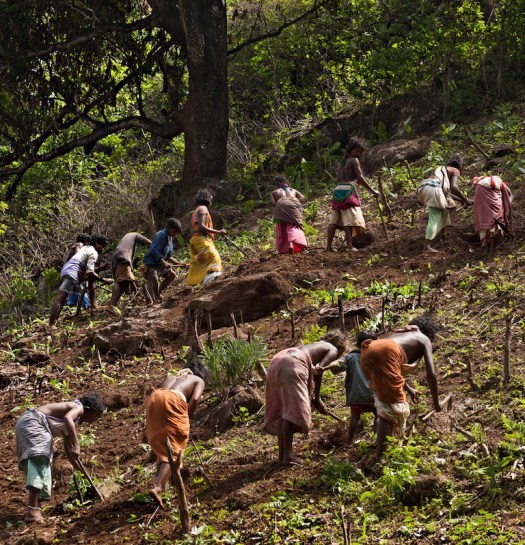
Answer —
34 515
431 250
292 461
156 497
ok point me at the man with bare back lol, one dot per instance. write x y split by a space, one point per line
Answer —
289 387
385 362
168 412
288 217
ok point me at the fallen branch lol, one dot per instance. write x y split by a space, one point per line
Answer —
178 483
475 144
470 437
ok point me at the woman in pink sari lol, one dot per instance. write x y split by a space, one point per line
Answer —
288 217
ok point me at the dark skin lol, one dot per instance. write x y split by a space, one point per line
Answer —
192 387
415 345
321 353
351 171
281 192
61 298
152 278
72 413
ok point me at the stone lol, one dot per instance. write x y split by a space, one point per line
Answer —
395 151
222 416
254 296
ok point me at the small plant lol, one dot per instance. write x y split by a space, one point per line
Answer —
232 361
313 334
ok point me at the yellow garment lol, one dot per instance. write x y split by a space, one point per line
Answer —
204 259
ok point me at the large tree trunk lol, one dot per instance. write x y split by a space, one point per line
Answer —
206 111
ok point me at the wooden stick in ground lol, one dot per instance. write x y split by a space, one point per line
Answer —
210 328
292 320
176 479
341 312
80 299
382 218
506 348
446 403
201 466
89 479
234 324
343 524
475 144
383 197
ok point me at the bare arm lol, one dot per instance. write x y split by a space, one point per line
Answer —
360 176
456 192
300 197
196 395
431 374
201 223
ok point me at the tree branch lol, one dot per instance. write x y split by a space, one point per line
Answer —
316 5
101 130
148 22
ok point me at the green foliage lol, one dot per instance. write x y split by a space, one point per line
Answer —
325 296
313 334
232 361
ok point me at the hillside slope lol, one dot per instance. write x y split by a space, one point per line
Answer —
443 485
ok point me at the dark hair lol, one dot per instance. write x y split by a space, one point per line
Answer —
337 338
92 402
84 238
455 161
98 239
353 144
364 336
173 223
203 197
426 325
280 180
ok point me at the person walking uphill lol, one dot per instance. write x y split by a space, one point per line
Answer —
385 362
158 261
34 434
122 265
75 271
289 389
346 202
205 261
168 412
438 194
492 211
288 217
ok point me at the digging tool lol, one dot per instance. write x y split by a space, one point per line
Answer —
90 480
320 406
178 483
447 402
382 217
230 241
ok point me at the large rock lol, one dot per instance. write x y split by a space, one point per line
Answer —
393 152
135 336
254 297
224 414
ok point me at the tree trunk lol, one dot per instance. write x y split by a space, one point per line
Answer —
206 111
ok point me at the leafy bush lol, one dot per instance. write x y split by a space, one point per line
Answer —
313 334
232 361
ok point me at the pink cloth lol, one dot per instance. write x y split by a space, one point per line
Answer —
491 207
286 233
289 384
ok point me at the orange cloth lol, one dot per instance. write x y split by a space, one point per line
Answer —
289 385
167 417
382 362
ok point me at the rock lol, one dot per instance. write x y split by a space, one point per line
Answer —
255 296
424 488
240 396
394 151
134 336
10 372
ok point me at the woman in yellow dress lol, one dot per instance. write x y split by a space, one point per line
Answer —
205 261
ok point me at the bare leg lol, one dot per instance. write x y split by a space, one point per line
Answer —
92 295
354 422
161 483
116 293
152 284
166 281
349 242
288 430
330 237
57 307
280 442
34 512
384 430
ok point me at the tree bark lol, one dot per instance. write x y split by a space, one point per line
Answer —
206 112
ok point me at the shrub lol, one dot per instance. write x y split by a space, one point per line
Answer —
232 361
